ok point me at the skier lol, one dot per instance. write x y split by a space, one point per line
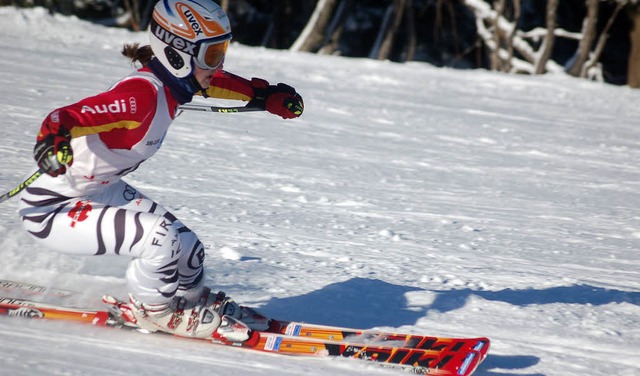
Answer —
82 206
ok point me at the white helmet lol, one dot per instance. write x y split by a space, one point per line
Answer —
184 32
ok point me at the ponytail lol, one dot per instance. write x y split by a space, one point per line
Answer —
136 53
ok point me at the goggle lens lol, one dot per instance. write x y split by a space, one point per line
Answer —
213 54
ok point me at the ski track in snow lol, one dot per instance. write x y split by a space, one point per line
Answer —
439 201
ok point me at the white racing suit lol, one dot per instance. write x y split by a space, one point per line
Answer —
91 211
118 220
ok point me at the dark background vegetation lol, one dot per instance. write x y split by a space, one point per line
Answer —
444 30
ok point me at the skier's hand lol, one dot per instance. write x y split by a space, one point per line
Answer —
280 99
53 149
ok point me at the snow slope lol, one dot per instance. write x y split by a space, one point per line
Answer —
430 200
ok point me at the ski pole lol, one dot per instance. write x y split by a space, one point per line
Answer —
21 186
204 107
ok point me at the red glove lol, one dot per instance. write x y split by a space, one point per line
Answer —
280 99
53 148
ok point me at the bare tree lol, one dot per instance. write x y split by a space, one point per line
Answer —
313 34
512 35
451 36
224 4
549 39
500 36
331 43
133 9
602 40
497 34
388 30
588 36
633 68
410 29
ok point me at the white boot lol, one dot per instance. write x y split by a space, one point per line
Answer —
228 307
198 318
248 316
200 314
254 319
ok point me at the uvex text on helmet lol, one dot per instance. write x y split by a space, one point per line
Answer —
181 29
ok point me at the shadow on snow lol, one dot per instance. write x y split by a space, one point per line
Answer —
507 362
358 303
449 300
367 303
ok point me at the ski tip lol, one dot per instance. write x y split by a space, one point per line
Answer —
482 347
470 364
108 299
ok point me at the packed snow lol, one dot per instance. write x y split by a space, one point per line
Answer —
407 197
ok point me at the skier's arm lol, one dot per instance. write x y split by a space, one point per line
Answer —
120 116
280 99
226 85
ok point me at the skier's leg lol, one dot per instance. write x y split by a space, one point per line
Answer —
167 256
118 221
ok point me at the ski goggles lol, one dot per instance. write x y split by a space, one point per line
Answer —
211 53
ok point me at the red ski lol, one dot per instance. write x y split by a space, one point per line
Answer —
413 341
419 353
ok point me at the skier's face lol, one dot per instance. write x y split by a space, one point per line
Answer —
204 75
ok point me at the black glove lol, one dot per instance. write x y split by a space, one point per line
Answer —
280 99
53 149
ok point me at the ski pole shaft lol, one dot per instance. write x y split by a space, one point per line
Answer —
21 186
207 108
191 107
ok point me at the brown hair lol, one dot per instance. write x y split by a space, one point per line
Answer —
137 53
